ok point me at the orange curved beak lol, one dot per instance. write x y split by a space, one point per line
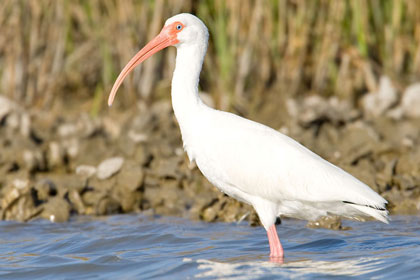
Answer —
167 37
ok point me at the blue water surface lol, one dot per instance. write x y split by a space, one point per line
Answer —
148 247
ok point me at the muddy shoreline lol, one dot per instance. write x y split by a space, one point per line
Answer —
58 163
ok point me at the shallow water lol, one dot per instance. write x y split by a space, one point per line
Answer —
139 247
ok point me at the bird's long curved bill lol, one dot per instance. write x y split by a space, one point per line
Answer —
158 43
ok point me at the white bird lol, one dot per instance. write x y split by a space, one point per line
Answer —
245 159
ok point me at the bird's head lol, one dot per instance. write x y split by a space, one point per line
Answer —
189 29
179 31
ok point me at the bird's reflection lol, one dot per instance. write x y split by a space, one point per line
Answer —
277 260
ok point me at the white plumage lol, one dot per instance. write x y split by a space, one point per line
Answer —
247 160
262 167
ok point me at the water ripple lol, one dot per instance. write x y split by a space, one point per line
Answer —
136 246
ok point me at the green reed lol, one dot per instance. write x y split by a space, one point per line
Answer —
51 49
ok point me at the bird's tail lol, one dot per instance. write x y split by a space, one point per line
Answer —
380 214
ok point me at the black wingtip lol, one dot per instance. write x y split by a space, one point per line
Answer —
370 206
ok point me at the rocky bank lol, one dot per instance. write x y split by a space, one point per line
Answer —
60 162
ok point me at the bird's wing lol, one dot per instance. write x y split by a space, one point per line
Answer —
261 161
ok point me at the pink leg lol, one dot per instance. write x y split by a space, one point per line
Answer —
276 250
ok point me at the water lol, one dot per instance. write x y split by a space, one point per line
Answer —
142 247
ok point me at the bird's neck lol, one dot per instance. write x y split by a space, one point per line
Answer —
185 99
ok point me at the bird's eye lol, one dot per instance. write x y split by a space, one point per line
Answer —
179 27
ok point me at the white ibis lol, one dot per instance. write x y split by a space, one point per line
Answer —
245 159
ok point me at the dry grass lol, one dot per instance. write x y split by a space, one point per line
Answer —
60 48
